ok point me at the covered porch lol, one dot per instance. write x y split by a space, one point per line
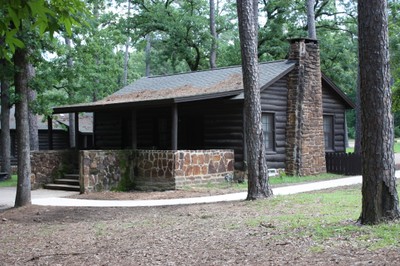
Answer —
157 146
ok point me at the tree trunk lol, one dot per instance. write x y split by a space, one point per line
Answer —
71 117
126 56
358 134
379 194
258 186
5 123
312 32
33 123
148 55
23 196
213 50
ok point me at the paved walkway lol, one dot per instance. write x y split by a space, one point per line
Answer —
46 197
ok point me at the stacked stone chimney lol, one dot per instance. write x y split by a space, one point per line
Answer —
305 149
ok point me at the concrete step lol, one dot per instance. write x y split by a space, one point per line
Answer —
71 176
62 187
67 181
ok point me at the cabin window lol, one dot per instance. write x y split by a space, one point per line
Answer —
268 126
328 132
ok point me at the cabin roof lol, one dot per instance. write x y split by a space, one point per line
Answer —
189 86
184 87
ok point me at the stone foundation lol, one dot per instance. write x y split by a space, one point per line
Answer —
49 165
152 169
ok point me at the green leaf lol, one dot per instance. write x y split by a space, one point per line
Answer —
14 17
68 26
37 7
18 43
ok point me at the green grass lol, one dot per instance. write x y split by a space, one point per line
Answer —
9 183
281 180
396 147
327 217
274 181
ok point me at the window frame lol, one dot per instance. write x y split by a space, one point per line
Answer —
331 143
273 132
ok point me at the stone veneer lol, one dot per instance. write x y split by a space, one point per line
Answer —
104 170
49 165
305 152
152 169
202 166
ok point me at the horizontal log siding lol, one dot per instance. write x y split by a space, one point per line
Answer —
107 128
274 100
223 129
60 140
148 128
332 105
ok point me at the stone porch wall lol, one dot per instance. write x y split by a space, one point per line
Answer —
152 169
104 170
203 166
49 165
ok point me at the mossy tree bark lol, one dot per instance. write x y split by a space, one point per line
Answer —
257 166
23 196
5 120
379 195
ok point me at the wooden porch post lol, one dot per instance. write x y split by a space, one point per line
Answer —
76 130
174 128
50 131
134 131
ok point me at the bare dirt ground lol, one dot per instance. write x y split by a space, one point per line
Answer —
235 233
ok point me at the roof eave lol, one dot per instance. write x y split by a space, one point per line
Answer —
207 96
346 99
269 83
101 106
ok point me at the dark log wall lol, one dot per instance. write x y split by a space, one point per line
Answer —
145 127
154 128
332 105
108 128
60 140
217 124
113 130
223 129
274 100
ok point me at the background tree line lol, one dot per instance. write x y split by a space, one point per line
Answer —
56 53
170 36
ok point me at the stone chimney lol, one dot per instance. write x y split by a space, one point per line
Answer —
305 149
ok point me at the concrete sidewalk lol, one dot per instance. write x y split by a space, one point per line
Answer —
56 201
46 197
7 195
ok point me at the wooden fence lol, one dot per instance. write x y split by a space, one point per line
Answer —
343 163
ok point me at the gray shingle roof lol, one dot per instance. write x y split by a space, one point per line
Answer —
204 81
190 86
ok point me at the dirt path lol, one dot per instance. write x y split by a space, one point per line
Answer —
235 233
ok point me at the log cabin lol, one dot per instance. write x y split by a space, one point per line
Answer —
303 112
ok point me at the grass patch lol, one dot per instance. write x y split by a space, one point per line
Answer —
396 147
273 181
326 217
10 183
281 180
